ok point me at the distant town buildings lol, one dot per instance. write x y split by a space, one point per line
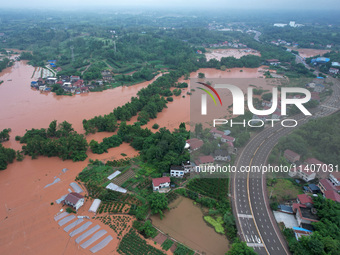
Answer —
291 24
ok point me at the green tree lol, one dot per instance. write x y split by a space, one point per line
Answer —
240 248
158 202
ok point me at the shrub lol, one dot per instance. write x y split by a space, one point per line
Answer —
155 126
70 210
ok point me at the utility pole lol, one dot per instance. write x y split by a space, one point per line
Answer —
114 45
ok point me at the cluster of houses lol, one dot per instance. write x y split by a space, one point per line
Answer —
334 70
234 44
303 209
192 145
284 43
266 106
325 182
313 169
72 84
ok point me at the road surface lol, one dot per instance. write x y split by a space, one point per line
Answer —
255 221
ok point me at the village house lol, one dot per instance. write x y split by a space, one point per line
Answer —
301 172
328 190
324 185
222 155
75 200
316 164
306 215
272 61
107 76
305 200
220 134
161 185
188 166
216 133
194 144
227 139
333 195
334 178
78 83
177 171
291 156
51 80
333 70
74 78
204 161
299 232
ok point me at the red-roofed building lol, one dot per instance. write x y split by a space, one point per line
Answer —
161 184
291 156
332 194
216 133
74 78
306 215
78 83
230 144
304 199
194 144
204 161
226 138
296 206
325 185
75 200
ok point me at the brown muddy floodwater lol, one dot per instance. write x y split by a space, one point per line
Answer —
307 53
185 223
26 214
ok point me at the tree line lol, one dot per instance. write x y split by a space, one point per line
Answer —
57 140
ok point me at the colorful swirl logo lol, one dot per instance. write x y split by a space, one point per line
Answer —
209 93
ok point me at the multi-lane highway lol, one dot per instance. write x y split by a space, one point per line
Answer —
255 221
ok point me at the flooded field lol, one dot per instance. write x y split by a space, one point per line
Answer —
307 53
185 223
223 53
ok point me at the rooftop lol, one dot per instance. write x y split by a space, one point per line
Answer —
177 168
158 181
331 194
306 213
327 185
291 153
73 197
304 199
195 143
206 159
